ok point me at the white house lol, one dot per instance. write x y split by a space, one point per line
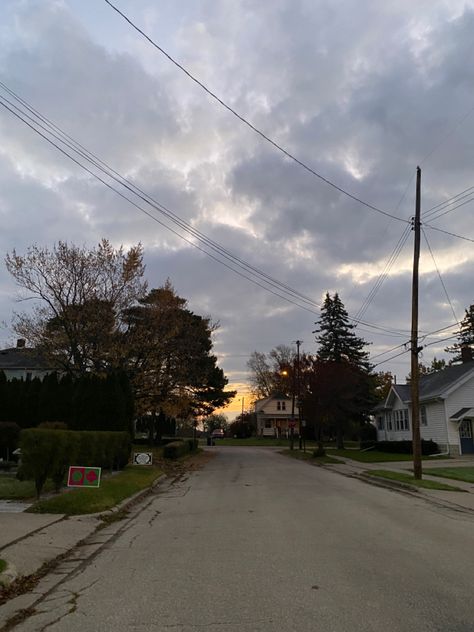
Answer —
446 410
274 418
21 362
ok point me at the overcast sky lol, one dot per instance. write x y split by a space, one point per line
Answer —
360 91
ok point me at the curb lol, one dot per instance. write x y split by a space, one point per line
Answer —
10 574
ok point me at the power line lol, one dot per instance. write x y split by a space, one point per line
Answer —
143 196
446 232
384 274
248 123
378 355
391 358
160 207
444 210
439 274
446 203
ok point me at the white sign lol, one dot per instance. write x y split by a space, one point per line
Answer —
143 458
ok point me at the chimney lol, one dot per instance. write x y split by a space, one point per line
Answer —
20 343
466 354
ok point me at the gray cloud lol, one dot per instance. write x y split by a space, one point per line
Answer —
362 92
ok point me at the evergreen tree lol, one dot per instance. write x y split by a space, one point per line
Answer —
337 340
465 336
343 390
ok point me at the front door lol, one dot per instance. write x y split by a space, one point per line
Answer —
465 435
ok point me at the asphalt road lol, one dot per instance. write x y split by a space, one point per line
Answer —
256 541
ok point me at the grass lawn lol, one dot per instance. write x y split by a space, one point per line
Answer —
456 473
308 456
13 489
112 491
374 456
3 566
408 478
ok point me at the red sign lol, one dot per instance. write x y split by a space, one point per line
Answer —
292 424
80 476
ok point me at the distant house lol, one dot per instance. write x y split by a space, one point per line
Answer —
21 362
446 410
274 416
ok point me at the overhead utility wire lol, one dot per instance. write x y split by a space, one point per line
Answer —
150 215
145 197
162 209
378 355
77 162
391 358
383 275
446 232
439 274
452 200
449 207
248 123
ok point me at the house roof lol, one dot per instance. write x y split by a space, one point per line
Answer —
21 358
460 414
435 384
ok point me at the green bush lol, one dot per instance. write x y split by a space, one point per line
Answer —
9 436
175 449
48 453
320 451
52 425
38 453
64 456
367 436
193 444
406 447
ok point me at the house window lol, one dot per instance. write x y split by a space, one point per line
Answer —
389 421
380 424
281 405
268 423
29 376
406 423
398 420
423 418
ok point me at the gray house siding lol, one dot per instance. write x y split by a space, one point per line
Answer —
443 395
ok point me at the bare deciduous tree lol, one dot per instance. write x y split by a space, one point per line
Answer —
81 295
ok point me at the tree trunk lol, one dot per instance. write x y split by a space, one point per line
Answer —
339 435
151 429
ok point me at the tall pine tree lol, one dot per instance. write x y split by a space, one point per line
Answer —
465 336
337 340
342 392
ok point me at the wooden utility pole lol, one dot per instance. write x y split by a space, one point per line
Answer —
415 374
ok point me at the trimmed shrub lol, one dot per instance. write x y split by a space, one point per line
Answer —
193 444
48 453
38 453
320 451
406 447
367 436
64 456
9 437
175 449
53 425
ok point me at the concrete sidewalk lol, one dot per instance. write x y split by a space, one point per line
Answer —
28 541
463 500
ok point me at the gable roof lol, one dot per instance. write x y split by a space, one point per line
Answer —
22 358
437 384
434 385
